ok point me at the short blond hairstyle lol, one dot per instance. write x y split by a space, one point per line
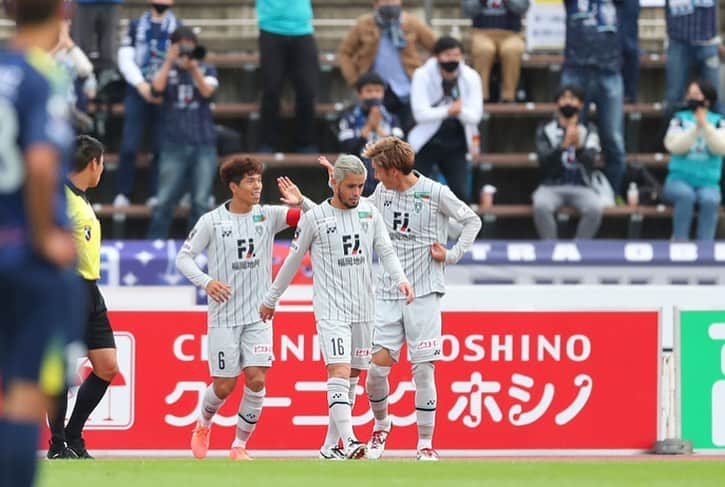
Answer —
391 152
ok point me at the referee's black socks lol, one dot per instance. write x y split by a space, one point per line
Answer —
89 395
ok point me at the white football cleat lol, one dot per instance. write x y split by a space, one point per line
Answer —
355 450
376 445
331 453
427 455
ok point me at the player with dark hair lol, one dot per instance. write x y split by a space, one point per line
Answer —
36 250
66 440
238 238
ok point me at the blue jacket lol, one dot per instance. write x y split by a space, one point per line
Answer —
592 40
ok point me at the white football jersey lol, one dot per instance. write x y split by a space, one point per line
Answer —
239 252
415 219
341 244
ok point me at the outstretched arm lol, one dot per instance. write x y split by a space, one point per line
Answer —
301 243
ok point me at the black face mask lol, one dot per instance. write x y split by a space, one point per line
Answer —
449 66
369 103
568 111
692 104
160 8
390 12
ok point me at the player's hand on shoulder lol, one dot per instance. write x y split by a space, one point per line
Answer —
407 290
218 291
266 313
438 251
291 194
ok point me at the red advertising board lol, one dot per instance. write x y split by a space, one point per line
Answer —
507 380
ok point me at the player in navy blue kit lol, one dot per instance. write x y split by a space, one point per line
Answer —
36 248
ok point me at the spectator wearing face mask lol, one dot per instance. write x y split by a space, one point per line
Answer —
367 122
566 150
447 105
387 41
696 140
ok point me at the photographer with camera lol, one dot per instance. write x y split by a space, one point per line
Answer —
187 138
696 140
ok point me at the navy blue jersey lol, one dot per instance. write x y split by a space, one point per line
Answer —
150 40
186 116
33 111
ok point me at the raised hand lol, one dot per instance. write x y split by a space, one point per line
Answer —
291 194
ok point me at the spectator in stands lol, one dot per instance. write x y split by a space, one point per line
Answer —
696 140
187 151
388 42
628 13
141 55
287 47
593 61
95 26
567 149
693 43
496 33
448 106
80 70
367 122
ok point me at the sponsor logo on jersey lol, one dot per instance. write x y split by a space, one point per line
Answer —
87 233
424 195
364 215
258 218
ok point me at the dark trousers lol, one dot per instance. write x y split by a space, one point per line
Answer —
629 32
137 115
95 30
295 57
399 108
450 158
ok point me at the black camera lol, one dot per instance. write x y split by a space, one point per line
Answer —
198 52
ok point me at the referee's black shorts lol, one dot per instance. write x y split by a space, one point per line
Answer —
98 333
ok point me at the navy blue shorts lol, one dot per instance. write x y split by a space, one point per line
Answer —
39 314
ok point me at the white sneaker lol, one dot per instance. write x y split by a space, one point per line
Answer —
331 453
120 200
427 455
376 445
152 202
355 450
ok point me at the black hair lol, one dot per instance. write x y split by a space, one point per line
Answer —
446 42
707 88
184 33
571 88
370 78
87 149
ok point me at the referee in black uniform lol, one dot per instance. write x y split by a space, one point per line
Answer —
67 440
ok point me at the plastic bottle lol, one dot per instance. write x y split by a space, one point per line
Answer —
632 195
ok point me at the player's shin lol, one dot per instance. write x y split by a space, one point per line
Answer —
209 406
249 412
338 397
378 389
425 402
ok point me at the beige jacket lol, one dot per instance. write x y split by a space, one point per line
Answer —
358 50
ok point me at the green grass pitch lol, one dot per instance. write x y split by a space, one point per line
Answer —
303 473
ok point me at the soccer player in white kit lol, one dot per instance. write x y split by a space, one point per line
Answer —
238 238
416 211
341 234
